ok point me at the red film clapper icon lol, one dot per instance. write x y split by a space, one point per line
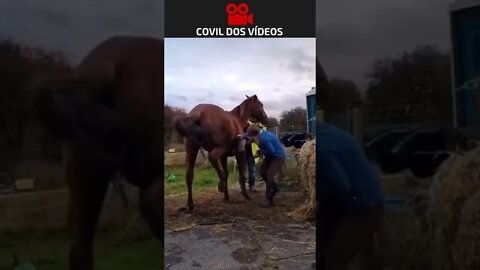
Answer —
237 14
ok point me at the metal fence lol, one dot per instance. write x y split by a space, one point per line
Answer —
366 120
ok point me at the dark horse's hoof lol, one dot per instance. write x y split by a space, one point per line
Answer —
275 188
186 209
221 187
267 204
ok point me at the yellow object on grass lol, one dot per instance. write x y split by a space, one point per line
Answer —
25 184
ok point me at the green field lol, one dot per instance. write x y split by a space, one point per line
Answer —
50 252
204 178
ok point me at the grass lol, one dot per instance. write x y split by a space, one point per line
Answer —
204 178
51 252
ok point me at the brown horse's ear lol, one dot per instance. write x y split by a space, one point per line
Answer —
255 97
247 96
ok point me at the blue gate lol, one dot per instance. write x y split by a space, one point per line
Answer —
311 111
465 25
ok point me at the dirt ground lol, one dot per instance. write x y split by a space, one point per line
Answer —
239 234
211 209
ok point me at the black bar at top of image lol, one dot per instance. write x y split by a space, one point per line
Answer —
295 18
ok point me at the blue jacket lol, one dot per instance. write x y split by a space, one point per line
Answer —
270 145
344 174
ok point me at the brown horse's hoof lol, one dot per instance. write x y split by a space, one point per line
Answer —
246 196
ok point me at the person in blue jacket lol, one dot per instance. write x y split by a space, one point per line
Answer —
349 200
274 158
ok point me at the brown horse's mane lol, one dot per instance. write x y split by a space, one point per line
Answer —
242 112
237 112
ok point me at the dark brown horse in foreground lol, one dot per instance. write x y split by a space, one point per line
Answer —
209 127
108 117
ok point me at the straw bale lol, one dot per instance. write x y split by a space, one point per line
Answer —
307 169
454 212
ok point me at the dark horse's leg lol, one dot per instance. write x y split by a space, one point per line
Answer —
151 206
191 149
215 156
87 184
241 158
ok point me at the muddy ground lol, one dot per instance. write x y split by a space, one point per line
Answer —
239 234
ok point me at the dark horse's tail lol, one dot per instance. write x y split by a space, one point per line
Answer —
68 113
189 127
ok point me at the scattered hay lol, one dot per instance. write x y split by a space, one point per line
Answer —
307 169
454 213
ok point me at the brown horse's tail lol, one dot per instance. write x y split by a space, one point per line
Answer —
189 127
68 114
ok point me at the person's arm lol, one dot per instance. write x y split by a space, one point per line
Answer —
334 183
267 148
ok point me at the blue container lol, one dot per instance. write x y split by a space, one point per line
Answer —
311 111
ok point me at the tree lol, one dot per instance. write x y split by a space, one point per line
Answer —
272 122
343 93
294 120
420 79
170 134
19 64
335 93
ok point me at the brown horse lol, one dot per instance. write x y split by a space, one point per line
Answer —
108 117
217 131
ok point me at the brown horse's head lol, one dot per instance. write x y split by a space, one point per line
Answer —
254 107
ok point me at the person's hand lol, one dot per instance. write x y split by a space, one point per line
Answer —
259 154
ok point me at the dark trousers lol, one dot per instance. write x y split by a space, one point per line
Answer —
269 168
343 235
251 171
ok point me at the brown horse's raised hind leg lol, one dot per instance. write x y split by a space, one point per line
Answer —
151 206
215 156
191 156
87 187
241 165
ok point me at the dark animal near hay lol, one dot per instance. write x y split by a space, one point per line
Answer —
108 116
217 131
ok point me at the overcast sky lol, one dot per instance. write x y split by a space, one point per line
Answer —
351 34
222 71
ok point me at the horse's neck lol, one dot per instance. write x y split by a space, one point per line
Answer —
242 118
